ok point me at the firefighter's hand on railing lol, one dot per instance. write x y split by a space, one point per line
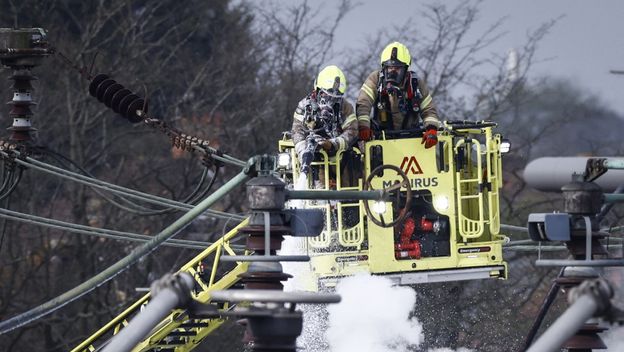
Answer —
366 134
430 137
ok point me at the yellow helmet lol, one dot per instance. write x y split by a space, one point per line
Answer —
332 80
394 54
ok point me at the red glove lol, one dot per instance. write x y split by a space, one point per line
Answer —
430 137
366 134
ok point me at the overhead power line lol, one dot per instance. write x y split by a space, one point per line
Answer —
93 231
196 195
121 265
126 192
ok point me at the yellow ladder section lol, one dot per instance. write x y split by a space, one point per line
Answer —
180 331
494 174
471 189
469 192
348 237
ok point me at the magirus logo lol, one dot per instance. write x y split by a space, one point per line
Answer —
410 165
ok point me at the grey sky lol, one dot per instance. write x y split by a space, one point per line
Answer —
583 46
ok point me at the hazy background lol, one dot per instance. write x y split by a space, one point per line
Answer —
583 46
232 72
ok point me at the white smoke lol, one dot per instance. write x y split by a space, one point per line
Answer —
614 339
373 316
300 185
299 270
312 337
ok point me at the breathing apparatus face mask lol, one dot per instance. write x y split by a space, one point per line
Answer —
328 98
394 73
327 101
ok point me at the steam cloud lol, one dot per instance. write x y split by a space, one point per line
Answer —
373 316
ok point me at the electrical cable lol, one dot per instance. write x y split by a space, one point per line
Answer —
613 229
7 174
208 188
64 160
526 230
607 207
514 228
93 231
517 242
123 190
535 248
191 198
37 165
121 265
553 248
14 185
4 223
196 191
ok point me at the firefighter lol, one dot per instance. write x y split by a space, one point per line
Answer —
324 119
397 98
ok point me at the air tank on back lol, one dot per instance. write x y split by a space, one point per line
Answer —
549 174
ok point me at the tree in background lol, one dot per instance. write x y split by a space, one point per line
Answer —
217 70
198 62
232 73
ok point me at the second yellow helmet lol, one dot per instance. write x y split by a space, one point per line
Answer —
331 78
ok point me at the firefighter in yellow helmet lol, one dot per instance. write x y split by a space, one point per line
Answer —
324 119
393 98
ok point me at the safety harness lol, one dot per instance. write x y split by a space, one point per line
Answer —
409 104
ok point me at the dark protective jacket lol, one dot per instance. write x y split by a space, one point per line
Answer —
369 103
